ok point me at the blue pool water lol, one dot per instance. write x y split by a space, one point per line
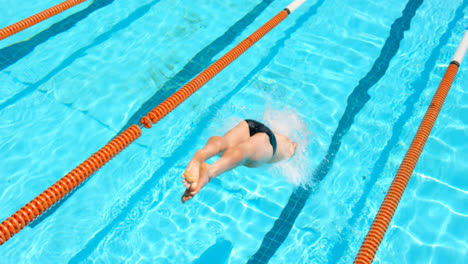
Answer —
348 80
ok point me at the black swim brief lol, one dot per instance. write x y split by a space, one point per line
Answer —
257 127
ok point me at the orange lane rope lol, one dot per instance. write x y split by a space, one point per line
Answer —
64 186
201 79
385 214
32 20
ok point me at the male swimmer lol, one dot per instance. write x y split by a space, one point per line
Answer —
250 144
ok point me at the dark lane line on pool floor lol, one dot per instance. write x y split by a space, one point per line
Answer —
204 57
356 101
13 53
419 85
121 25
138 13
149 187
197 64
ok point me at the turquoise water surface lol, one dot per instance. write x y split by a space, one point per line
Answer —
348 80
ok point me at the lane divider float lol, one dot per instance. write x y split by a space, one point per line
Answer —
39 17
385 214
65 185
19 220
201 79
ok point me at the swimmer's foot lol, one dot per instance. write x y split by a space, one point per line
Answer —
193 189
191 173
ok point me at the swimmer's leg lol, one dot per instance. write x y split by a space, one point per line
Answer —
214 146
256 149
253 152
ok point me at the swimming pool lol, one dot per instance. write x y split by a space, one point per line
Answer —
84 75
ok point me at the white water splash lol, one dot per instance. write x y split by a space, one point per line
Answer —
295 170
282 119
